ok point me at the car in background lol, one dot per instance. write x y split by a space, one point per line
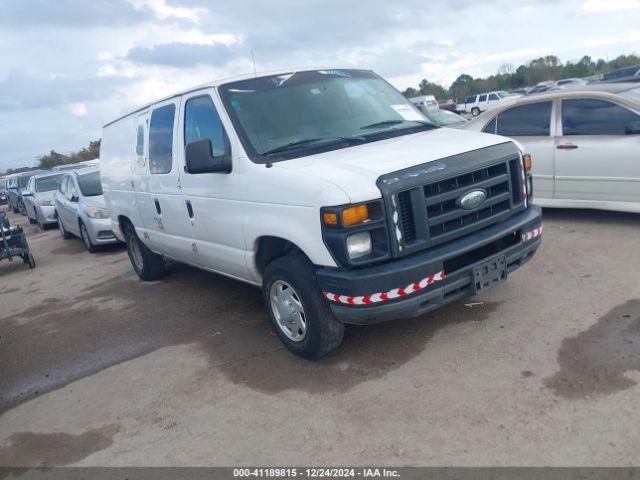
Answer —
81 211
69 166
520 91
627 74
565 82
584 142
38 198
448 104
16 186
476 104
3 191
444 118
541 87
425 102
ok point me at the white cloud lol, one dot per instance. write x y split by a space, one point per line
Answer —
164 11
610 5
632 37
78 109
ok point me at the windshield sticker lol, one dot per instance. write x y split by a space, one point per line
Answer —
407 113
339 73
281 79
315 91
235 104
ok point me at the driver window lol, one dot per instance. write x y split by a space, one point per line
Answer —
201 121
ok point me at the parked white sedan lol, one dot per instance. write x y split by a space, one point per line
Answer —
584 141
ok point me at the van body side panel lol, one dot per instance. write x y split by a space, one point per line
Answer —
283 203
116 151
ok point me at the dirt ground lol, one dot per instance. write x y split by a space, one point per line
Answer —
98 368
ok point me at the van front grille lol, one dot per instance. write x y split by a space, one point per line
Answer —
424 202
446 219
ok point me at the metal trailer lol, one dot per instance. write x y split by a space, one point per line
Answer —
13 242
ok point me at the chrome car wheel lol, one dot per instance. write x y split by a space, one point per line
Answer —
288 310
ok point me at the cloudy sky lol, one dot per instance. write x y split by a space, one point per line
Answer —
69 66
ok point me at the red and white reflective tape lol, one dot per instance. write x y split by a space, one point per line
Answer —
390 295
536 232
523 179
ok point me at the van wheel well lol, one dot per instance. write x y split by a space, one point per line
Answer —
270 248
124 223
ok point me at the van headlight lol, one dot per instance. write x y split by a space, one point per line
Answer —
359 245
96 212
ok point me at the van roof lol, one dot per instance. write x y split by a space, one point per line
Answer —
222 81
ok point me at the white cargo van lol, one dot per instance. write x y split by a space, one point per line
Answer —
328 189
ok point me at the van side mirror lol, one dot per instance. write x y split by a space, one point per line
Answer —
633 128
199 158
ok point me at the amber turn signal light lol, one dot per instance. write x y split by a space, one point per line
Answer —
355 215
526 161
330 218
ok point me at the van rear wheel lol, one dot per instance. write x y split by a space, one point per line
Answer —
148 265
475 111
300 316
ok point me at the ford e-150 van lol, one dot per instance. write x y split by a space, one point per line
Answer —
326 188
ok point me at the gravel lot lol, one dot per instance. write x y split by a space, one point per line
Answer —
98 368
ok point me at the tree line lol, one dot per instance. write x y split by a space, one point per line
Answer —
529 74
53 158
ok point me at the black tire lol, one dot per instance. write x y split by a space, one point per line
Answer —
31 220
28 259
22 209
86 239
475 111
14 209
323 331
149 266
41 225
63 232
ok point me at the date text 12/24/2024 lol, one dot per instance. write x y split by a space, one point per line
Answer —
317 472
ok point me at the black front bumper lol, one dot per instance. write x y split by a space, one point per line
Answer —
457 259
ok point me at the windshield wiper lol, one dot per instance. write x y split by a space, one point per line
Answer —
391 122
306 141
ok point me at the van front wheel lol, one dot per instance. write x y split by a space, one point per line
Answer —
148 265
300 316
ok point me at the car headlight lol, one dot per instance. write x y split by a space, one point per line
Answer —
359 244
45 203
96 212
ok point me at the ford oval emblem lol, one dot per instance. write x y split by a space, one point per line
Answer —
472 199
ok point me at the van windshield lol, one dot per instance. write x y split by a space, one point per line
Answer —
90 185
291 115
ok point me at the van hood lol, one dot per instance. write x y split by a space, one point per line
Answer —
356 169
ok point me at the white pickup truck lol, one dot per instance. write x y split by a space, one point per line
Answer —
328 189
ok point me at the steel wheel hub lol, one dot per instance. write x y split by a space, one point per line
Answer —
288 310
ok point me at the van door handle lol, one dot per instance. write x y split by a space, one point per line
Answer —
566 146
158 209
189 209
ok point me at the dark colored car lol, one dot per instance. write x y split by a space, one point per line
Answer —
627 74
448 105
16 187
